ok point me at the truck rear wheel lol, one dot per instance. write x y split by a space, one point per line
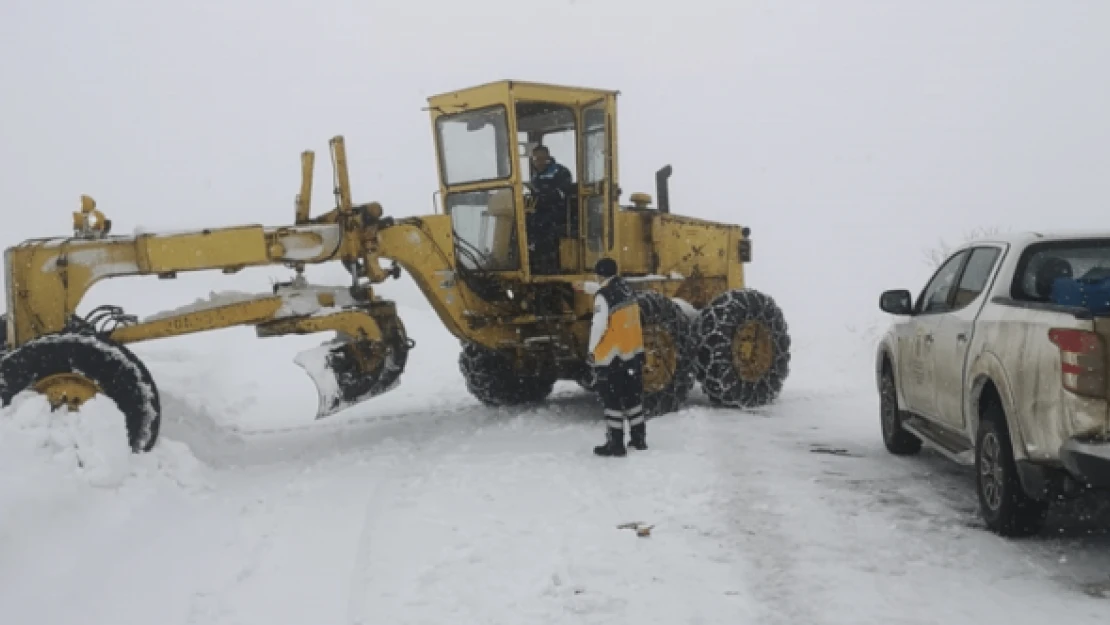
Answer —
490 378
69 369
743 349
1003 504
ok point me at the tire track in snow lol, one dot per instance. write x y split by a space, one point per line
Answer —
821 545
433 565
518 524
757 517
874 538
414 469
255 540
687 571
402 447
264 523
226 446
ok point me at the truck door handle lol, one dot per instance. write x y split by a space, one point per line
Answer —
928 338
961 337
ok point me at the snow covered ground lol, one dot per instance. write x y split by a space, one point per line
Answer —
424 507
846 135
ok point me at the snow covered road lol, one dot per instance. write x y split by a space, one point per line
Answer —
425 507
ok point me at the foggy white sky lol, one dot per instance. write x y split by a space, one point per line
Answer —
849 135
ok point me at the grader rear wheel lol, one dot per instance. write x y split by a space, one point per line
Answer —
70 369
753 350
668 362
743 349
660 357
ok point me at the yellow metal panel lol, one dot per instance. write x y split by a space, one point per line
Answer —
470 98
735 267
48 278
697 290
519 88
502 183
556 93
306 243
615 174
240 313
304 198
568 255
684 245
207 249
593 91
355 324
634 257
423 247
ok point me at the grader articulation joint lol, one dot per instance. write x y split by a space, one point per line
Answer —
502 266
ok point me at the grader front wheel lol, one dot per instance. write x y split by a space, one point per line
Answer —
490 378
743 349
71 390
70 369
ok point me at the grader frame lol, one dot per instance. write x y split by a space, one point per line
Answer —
521 330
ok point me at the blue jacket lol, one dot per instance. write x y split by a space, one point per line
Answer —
553 186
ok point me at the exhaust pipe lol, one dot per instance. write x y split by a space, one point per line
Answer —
661 189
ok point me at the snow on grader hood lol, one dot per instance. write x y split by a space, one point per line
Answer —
521 328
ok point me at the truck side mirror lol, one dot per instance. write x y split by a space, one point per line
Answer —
896 302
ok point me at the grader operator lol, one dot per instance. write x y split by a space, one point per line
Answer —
523 324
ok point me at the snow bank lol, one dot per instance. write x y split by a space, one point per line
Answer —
687 308
41 450
214 300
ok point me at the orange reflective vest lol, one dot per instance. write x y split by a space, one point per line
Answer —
616 331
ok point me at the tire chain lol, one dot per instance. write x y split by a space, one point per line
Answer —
489 377
715 328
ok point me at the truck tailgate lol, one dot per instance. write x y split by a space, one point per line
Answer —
1102 328
1048 351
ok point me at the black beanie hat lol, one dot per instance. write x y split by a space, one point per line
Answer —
606 268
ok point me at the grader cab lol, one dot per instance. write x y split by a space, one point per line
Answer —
484 140
505 265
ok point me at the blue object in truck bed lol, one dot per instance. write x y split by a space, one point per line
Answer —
1092 293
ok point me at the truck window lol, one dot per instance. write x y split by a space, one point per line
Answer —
975 276
1042 263
938 292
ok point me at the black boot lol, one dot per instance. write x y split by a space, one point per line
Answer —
638 437
614 443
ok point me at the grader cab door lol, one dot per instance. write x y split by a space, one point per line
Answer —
596 184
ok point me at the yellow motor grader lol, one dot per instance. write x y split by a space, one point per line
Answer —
521 326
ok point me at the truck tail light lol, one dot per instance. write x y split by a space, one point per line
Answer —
1082 361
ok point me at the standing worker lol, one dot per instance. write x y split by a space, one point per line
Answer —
617 357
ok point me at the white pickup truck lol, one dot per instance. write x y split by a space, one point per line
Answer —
1002 363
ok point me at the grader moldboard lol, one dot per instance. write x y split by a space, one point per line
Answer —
520 329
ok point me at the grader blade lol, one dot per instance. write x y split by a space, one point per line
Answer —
349 372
